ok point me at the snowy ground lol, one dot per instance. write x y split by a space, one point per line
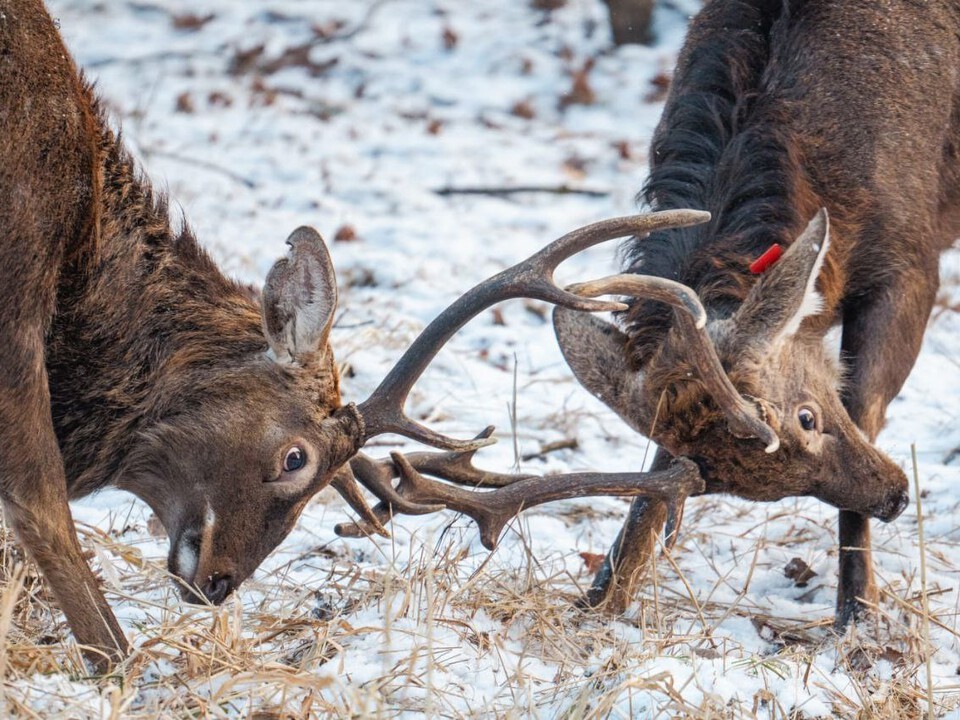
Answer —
259 117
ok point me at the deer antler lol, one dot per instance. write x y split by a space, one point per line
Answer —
383 412
743 417
416 494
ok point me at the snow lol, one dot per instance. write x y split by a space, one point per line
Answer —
428 621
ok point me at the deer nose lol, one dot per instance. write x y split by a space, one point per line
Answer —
895 504
217 587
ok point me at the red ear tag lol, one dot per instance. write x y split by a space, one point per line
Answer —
768 258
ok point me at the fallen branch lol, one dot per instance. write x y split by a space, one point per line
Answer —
205 164
547 448
520 189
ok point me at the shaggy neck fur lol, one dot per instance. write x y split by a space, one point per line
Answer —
143 318
723 145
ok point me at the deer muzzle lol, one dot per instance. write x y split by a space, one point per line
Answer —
893 506
867 482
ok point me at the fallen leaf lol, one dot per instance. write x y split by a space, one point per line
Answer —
798 571
523 109
190 22
450 38
592 561
661 87
185 103
580 93
219 99
346 233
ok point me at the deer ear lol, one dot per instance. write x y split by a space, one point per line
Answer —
596 352
786 293
299 299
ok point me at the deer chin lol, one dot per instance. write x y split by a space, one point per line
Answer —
885 505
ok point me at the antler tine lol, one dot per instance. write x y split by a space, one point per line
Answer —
346 484
383 410
742 415
494 509
650 287
382 514
454 467
377 478
457 467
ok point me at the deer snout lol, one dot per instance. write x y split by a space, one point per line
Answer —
877 486
217 587
213 591
202 581
895 504
860 478
892 493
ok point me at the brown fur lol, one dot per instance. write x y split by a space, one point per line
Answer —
776 110
128 359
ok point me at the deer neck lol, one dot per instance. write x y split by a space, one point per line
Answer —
142 314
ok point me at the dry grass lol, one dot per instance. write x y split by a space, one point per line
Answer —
284 656
424 618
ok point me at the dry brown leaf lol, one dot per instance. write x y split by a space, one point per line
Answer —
592 561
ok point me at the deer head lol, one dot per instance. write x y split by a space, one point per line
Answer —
232 445
250 441
697 394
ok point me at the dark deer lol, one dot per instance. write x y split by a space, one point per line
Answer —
127 359
779 109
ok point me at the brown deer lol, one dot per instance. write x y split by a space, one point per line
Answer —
127 359
778 109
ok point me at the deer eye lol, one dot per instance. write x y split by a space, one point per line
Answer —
807 418
295 459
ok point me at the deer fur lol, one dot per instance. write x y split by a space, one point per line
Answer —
127 359
777 109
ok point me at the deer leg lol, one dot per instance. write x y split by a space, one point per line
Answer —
615 583
34 492
881 339
856 585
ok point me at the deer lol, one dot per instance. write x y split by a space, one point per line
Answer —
831 130
128 360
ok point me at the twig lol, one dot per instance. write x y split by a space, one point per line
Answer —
923 584
151 58
513 419
7 607
547 448
356 29
708 633
910 608
520 189
205 164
